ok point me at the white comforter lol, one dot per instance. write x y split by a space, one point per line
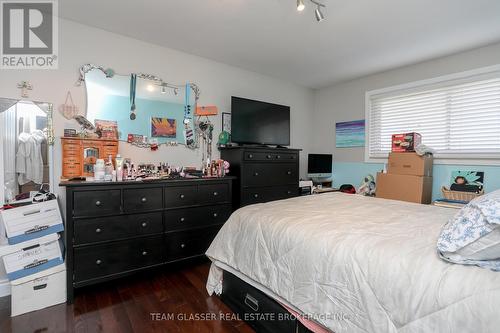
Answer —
358 264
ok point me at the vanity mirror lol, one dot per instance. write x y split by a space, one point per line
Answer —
26 139
147 110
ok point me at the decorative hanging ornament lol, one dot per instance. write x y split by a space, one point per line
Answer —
133 86
25 86
69 110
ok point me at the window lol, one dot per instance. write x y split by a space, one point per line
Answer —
458 115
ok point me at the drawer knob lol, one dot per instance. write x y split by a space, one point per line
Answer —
288 172
98 203
256 174
144 253
143 200
215 214
98 261
182 219
98 230
144 224
289 192
183 245
250 156
216 194
268 156
255 195
278 157
181 196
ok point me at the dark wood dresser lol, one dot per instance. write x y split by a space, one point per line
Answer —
117 228
263 174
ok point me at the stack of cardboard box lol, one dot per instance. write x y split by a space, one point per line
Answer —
408 178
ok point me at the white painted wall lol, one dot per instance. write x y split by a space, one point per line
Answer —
346 101
80 44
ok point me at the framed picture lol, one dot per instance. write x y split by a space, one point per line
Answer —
350 134
163 127
226 122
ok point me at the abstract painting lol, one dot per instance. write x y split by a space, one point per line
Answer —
163 128
350 134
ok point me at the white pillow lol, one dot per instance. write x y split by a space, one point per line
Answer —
473 235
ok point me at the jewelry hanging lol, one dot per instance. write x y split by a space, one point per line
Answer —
133 87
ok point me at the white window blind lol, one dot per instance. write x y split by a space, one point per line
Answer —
459 118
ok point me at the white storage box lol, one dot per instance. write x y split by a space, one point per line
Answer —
8 249
32 221
33 259
39 291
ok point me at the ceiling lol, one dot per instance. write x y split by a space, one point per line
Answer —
358 37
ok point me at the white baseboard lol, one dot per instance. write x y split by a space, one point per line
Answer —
4 288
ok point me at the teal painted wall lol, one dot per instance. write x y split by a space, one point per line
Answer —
118 108
353 172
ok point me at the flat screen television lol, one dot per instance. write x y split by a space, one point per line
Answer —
255 122
319 165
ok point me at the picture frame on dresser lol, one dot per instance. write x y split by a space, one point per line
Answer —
114 229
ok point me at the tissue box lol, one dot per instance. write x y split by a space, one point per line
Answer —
33 259
32 221
39 291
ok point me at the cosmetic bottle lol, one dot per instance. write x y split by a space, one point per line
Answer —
119 167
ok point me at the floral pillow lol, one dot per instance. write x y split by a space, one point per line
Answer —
471 237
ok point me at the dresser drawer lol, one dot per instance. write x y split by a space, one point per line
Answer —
180 196
101 260
260 156
116 227
264 194
270 174
95 203
213 193
142 199
185 244
189 218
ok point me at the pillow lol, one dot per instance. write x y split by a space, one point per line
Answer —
472 236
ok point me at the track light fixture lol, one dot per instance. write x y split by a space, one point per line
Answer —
300 5
319 14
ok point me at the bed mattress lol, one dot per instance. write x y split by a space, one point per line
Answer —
358 264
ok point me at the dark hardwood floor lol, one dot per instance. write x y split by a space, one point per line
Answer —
173 294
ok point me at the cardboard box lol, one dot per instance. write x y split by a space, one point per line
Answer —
405 142
39 291
410 164
404 187
33 259
32 221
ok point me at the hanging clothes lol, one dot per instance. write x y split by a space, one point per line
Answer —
29 161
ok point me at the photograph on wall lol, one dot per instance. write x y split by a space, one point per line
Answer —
350 134
226 122
163 127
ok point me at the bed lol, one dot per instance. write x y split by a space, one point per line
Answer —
356 264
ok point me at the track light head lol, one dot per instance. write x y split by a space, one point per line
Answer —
300 5
319 15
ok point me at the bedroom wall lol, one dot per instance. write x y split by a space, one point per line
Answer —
346 101
80 44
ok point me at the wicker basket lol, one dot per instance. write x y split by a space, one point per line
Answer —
459 195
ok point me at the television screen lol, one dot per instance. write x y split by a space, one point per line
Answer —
319 163
259 122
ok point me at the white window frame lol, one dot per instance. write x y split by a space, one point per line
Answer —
450 159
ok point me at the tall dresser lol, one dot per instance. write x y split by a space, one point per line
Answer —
115 229
263 173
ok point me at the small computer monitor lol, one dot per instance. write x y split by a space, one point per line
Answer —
319 165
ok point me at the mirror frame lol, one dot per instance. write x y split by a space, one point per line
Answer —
50 142
84 69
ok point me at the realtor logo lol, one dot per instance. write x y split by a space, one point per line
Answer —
29 34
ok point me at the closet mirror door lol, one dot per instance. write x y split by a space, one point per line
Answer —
26 139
